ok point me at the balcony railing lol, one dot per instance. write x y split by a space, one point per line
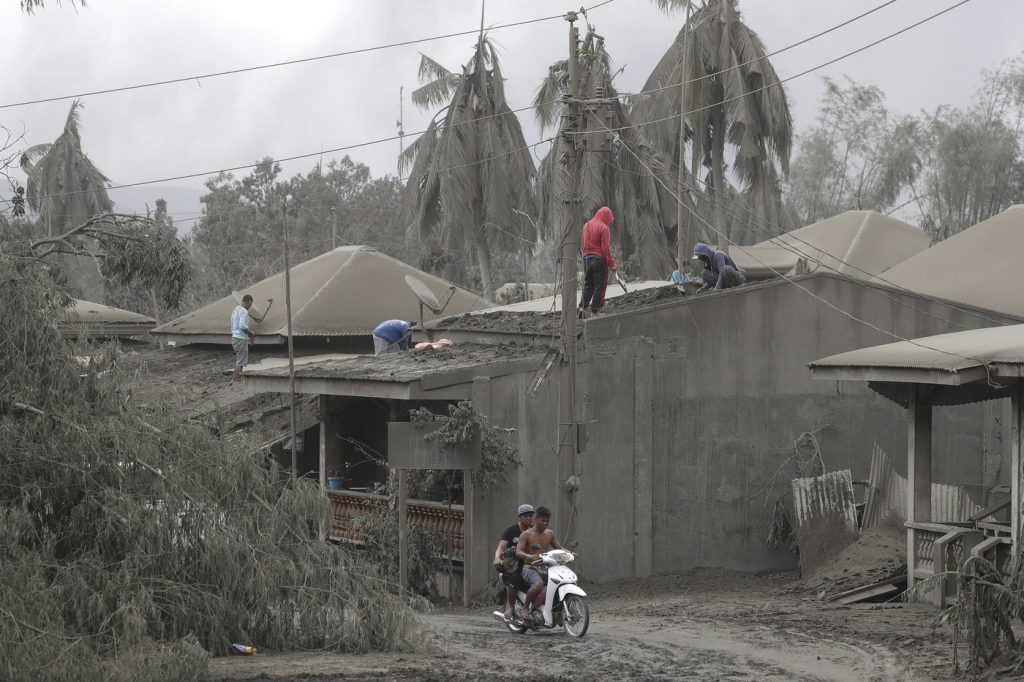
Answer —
434 517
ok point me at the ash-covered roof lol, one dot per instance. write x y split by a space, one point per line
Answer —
858 244
962 367
345 292
85 318
979 266
954 353
541 317
410 366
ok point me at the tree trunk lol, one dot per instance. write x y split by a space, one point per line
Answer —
483 260
718 195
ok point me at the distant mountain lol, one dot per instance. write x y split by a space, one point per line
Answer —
182 202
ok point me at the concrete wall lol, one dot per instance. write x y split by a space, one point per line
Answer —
693 409
732 392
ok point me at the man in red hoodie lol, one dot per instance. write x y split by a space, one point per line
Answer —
597 260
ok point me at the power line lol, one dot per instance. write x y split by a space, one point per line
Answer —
766 56
290 62
797 75
785 277
777 239
392 138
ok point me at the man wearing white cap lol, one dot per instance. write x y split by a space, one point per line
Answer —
505 561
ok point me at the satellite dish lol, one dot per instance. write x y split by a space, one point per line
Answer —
426 296
254 312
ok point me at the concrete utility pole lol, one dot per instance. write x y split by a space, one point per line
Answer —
291 346
569 161
685 236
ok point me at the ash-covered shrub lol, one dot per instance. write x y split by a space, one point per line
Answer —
135 543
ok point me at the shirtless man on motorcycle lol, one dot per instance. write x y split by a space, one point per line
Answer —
533 543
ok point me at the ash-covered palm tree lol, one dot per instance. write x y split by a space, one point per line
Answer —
65 189
470 171
736 100
620 178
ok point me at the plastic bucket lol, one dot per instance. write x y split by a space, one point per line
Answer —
335 482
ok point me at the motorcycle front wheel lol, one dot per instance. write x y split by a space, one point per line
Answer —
576 615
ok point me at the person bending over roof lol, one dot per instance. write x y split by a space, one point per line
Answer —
392 336
720 271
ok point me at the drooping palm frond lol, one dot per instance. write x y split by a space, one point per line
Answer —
432 70
548 100
471 172
613 178
716 75
64 186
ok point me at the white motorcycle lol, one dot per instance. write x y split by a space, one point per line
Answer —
564 603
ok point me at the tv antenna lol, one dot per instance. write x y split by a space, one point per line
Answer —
426 296
254 312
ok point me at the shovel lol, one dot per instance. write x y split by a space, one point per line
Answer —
622 282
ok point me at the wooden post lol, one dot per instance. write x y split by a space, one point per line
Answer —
919 466
403 532
323 441
1016 405
291 343
469 566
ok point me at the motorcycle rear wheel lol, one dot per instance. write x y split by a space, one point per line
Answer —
576 615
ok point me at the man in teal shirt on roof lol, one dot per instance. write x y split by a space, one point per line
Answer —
241 336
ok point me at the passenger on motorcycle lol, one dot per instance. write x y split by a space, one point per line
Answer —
533 543
507 563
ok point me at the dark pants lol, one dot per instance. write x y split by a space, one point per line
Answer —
515 581
595 281
731 277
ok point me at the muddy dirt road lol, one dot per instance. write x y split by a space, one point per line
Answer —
706 625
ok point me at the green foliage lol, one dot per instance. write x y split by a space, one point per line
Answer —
498 452
133 541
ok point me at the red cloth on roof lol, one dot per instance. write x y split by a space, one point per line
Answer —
597 240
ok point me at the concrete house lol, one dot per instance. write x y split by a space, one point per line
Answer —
692 404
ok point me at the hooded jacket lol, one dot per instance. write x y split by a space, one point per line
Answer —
597 240
716 259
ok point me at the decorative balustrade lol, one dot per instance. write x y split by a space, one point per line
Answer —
434 517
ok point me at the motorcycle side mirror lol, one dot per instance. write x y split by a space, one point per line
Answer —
572 545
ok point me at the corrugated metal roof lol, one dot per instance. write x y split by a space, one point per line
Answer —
953 352
858 244
344 292
979 266
95 319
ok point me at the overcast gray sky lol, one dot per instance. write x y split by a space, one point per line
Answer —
201 126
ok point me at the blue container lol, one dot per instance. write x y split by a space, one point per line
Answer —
334 482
